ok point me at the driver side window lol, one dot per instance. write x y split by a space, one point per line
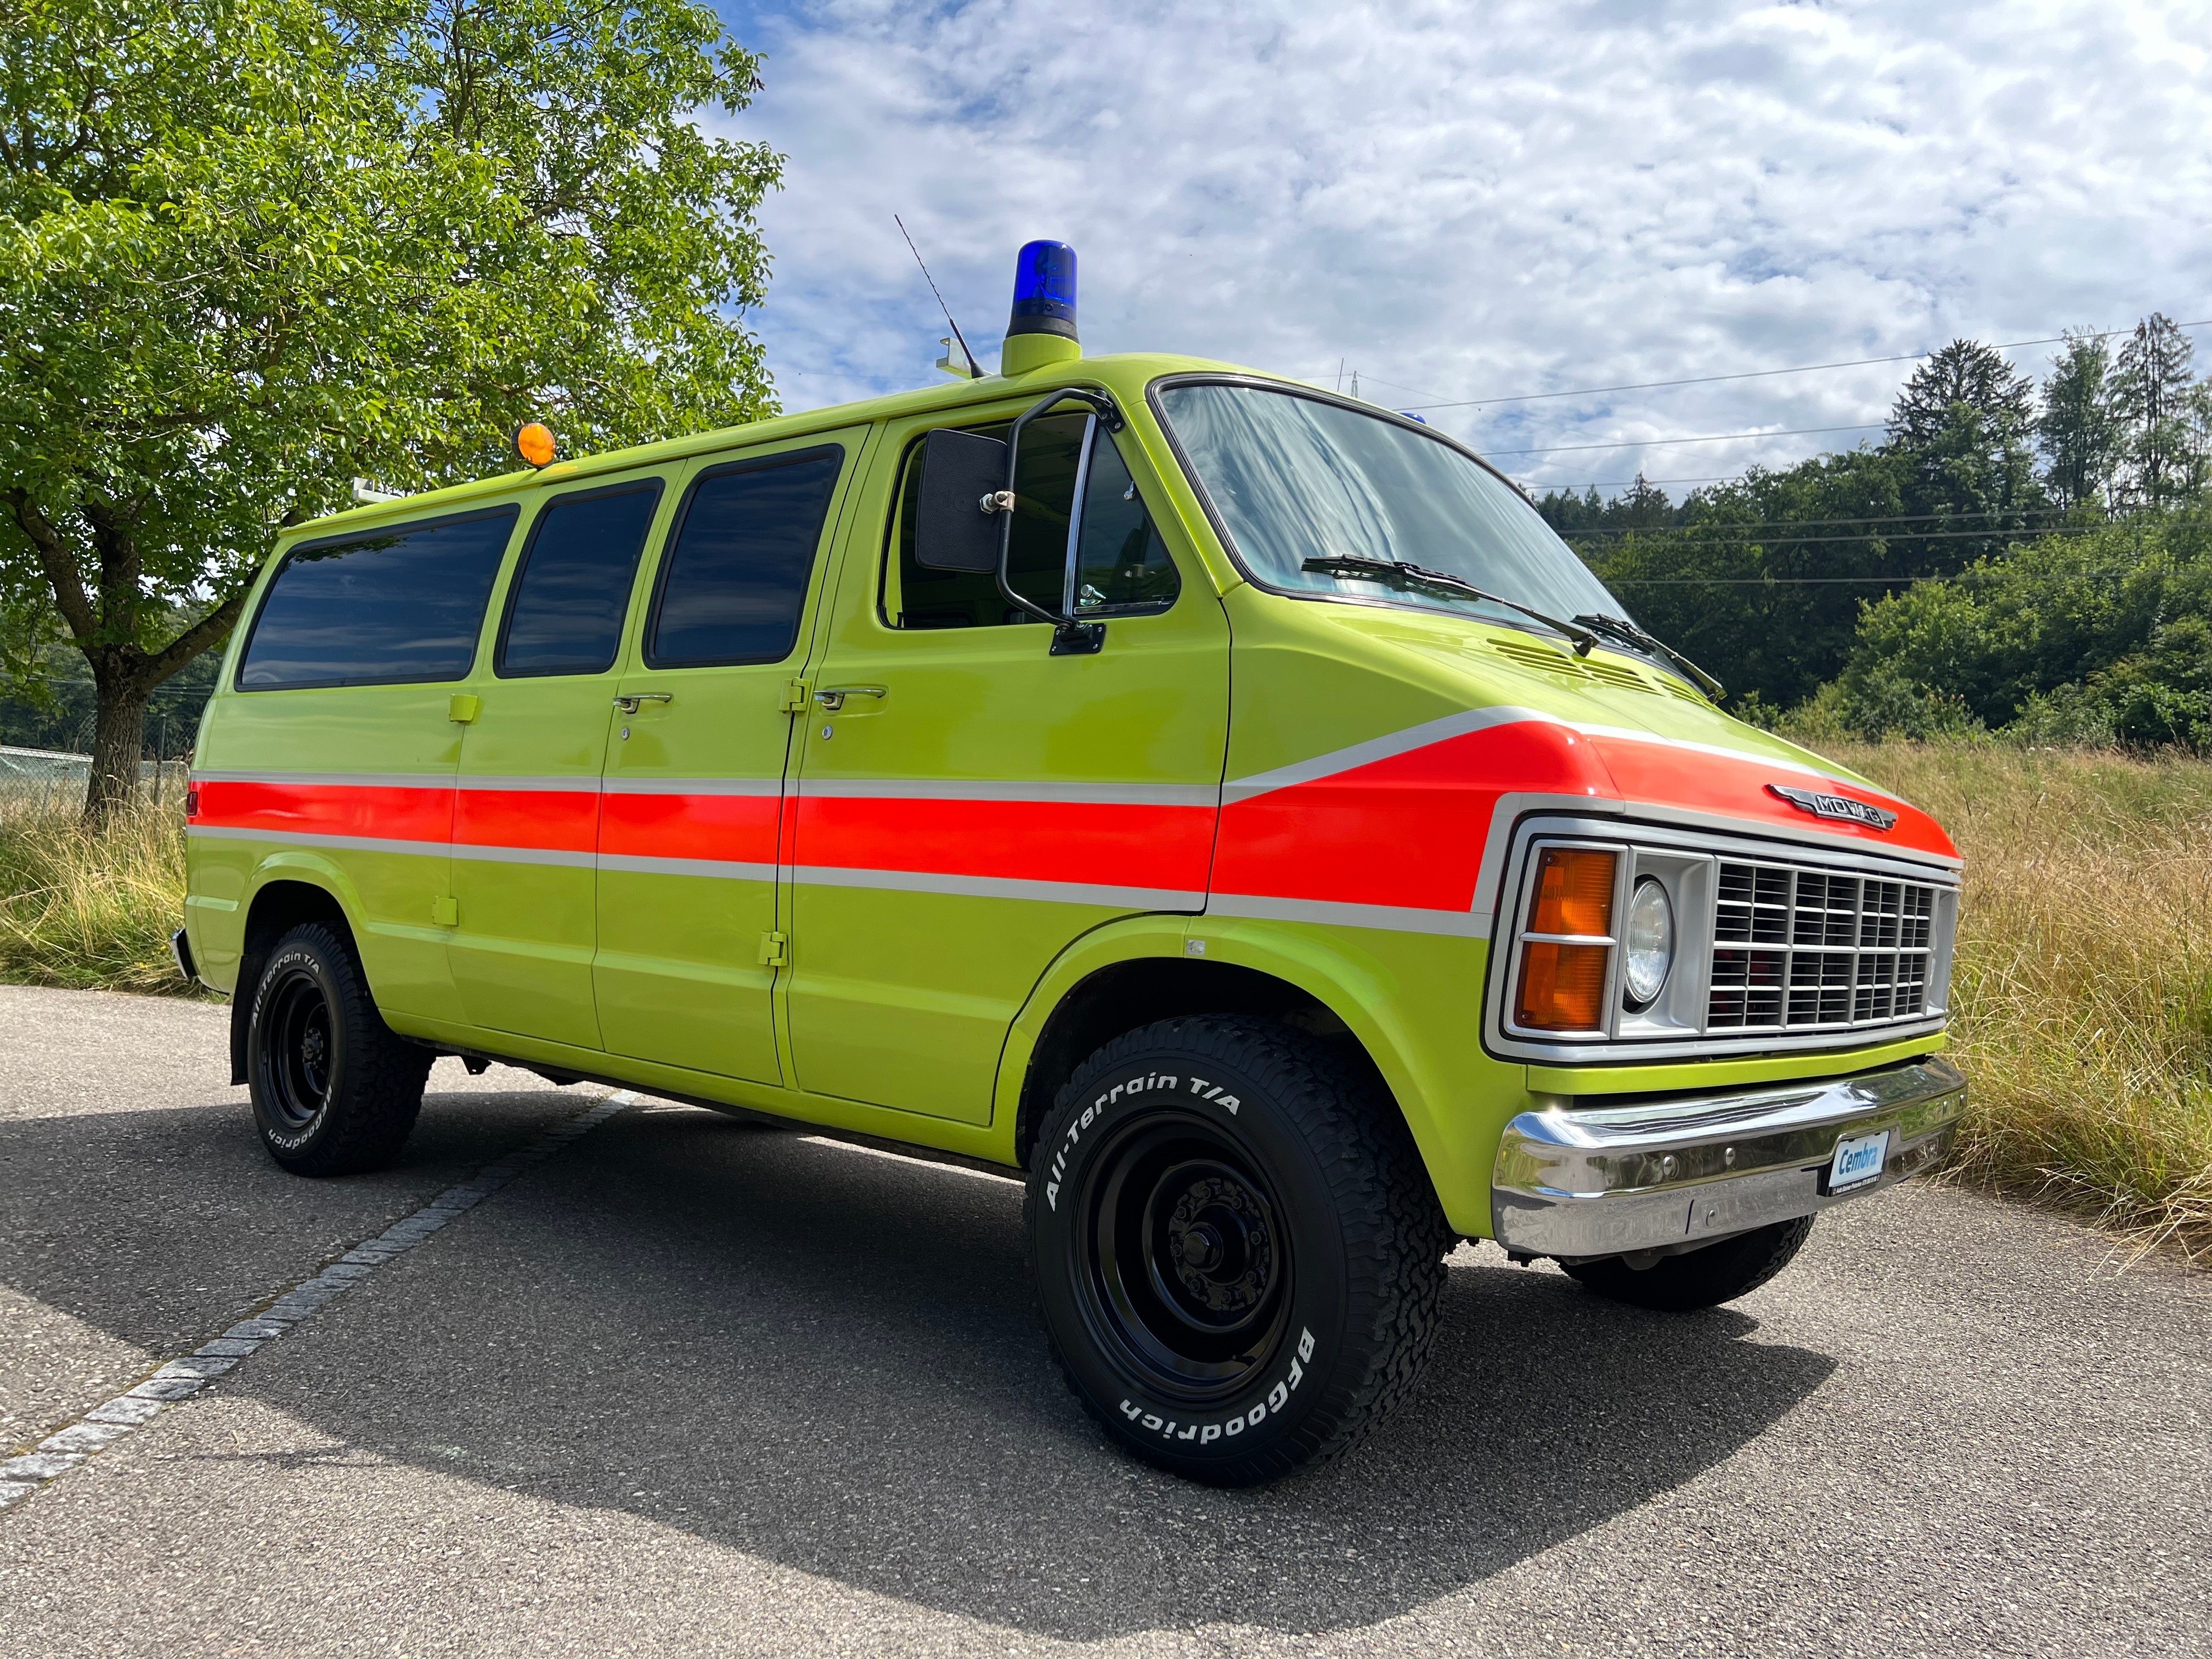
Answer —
1114 565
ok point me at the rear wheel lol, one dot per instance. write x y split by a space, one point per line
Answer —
335 1091
1238 1251
1699 1279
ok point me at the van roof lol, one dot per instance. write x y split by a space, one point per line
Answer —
1126 372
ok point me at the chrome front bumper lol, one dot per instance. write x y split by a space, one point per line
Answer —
1575 1181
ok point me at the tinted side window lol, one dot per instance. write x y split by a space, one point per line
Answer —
1037 556
1121 565
734 581
564 615
404 604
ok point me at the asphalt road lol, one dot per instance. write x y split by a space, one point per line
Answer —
690 1386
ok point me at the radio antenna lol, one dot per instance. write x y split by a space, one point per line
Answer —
975 371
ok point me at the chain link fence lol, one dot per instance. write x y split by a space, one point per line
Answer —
46 779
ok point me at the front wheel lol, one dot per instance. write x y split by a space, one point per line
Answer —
1238 1254
1698 1278
336 1091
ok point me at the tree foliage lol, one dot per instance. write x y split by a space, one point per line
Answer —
2163 413
1930 572
2112 629
251 250
2078 431
1745 580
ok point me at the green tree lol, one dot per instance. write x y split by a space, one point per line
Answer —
1760 579
2115 615
2078 431
2162 412
1961 429
252 249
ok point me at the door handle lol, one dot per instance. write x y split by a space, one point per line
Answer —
631 704
832 697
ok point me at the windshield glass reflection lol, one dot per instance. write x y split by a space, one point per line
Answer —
1296 478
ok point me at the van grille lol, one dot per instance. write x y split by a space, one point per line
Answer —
1796 948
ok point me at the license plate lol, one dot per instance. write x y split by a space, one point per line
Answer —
1858 1161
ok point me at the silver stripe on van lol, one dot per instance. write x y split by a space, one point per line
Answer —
1013 791
334 779
428 849
741 786
547 856
718 869
1388 918
1051 892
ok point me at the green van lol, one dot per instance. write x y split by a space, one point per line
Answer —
1225 803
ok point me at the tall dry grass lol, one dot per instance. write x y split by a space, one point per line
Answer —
2082 994
92 909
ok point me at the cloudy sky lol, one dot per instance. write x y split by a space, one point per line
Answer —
1483 202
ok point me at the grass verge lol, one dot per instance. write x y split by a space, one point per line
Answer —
2082 999
92 909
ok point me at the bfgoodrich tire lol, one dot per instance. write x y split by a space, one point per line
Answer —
1238 1251
335 1091
1699 1279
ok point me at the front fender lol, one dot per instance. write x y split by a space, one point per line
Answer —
1412 1000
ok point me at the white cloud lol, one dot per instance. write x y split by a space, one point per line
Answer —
1479 200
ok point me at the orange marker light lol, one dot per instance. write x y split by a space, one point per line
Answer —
535 443
1563 985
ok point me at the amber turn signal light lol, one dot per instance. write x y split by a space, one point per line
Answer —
535 443
1574 892
1563 982
1562 987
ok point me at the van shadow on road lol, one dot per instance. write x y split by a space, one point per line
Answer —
826 1358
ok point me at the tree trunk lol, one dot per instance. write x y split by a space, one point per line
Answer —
106 624
119 743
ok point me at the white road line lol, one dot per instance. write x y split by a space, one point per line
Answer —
113 1419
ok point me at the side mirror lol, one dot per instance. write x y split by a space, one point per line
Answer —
952 531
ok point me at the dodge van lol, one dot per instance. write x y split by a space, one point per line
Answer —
1223 804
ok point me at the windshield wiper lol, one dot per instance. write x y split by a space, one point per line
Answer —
1620 628
1406 574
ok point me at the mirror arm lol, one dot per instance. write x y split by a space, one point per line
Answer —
1070 637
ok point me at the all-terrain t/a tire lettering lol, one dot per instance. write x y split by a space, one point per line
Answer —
1238 1254
336 1091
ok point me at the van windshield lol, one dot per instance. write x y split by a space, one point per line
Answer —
1296 479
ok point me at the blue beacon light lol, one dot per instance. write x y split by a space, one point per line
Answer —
1044 290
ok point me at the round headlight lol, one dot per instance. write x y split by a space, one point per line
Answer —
1650 943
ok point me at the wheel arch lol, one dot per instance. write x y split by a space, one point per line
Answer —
289 889
1127 975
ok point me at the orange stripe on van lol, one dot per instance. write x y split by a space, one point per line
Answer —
740 829
553 820
1110 845
1736 787
323 808
1405 831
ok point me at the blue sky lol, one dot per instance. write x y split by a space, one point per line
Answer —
1478 201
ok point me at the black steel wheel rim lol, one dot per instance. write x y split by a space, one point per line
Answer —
298 1052
1185 1270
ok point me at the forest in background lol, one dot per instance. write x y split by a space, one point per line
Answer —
2015 556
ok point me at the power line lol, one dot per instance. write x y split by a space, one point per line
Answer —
1615 484
1885 536
1708 438
1762 374
1841 581
1800 524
